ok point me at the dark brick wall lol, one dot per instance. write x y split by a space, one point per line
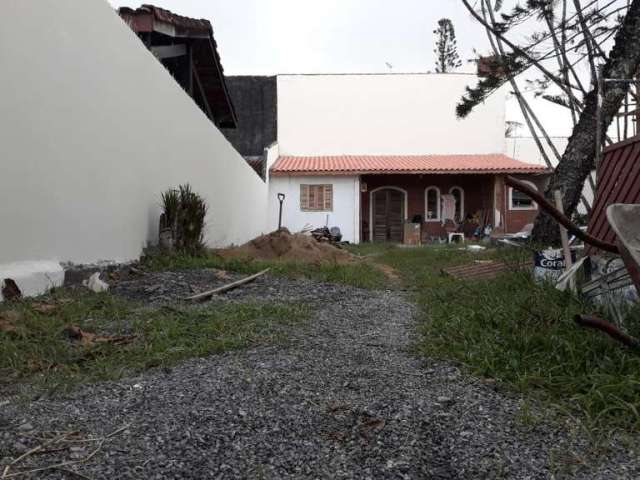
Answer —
477 195
478 191
517 219
255 102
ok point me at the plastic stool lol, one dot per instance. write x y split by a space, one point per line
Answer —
453 235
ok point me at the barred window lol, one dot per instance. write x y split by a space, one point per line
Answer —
432 204
316 198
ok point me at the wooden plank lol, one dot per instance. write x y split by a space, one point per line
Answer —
620 176
626 191
395 216
630 189
190 69
205 100
380 216
226 288
607 192
476 267
481 271
611 168
476 271
169 51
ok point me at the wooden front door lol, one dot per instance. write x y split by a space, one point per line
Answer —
388 215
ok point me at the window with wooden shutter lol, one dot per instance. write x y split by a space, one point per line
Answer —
316 198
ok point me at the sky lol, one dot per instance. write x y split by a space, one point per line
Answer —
265 37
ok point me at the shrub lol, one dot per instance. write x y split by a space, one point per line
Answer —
184 213
191 220
170 206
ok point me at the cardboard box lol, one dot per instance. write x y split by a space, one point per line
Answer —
413 233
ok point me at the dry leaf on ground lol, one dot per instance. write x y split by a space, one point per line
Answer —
222 274
9 321
45 308
372 425
89 339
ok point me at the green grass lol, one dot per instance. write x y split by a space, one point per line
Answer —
509 329
361 274
40 351
521 334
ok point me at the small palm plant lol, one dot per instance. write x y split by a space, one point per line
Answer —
170 207
182 222
191 220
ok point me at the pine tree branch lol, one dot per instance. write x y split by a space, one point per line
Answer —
533 61
578 159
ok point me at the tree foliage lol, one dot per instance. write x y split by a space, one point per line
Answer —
557 59
566 36
447 58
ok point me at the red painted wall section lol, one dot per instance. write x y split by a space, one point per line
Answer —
516 220
479 192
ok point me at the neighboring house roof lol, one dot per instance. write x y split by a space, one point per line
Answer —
150 18
160 28
257 163
256 101
397 164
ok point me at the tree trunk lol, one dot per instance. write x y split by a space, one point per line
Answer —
578 159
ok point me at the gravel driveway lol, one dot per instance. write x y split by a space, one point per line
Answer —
344 398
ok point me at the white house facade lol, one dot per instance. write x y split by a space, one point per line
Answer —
392 114
364 138
94 128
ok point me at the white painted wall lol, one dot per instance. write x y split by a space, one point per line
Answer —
526 150
390 114
346 204
92 130
32 278
271 154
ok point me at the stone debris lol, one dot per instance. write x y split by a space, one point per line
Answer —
323 405
95 284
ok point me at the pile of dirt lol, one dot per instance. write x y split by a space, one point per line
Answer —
283 245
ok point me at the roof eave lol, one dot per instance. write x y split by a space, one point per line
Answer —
342 173
151 19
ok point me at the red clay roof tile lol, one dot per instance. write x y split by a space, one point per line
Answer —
390 164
